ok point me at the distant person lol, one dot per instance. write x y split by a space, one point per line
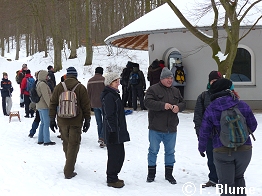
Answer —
115 129
203 100
163 102
231 163
179 76
95 86
124 80
51 77
154 71
162 64
20 74
138 86
6 93
42 106
24 91
71 128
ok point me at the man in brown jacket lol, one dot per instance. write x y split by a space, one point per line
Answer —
71 127
163 102
95 86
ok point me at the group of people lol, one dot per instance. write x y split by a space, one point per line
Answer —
163 102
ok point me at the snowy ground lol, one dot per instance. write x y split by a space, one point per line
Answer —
27 168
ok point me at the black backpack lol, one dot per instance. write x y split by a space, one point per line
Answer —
33 94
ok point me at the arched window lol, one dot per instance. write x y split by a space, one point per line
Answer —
243 69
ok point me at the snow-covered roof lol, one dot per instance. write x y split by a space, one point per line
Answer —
163 19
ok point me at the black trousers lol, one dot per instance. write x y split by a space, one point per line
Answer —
116 157
137 91
126 96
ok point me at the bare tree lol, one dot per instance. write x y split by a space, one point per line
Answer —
89 52
235 12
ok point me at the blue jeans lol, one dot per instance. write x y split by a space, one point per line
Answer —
44 134
210 162
99 122
169 141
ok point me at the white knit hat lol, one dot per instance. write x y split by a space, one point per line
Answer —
110 77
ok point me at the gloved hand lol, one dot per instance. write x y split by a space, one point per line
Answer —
112 138
21 96
53 125
202 154
86 125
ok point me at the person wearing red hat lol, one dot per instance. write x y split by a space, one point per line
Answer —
203 100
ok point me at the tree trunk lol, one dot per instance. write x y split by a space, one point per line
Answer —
73 32
89 52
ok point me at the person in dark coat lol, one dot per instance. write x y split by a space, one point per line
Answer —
20 75
231 164
6 93
115 129
203 100
138 89
154 71
124 79
51 81
163 102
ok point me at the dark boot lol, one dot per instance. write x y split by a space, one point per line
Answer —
151 173
168 174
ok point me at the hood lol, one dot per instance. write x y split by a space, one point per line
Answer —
224 102
135 69
42 75
107 90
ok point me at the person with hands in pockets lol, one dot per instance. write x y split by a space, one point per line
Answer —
163 102
115 129
71 128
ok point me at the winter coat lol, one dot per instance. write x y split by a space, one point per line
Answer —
6 88
160 119
173 70
43 91
95 86
203 101
153 74
51 81
21 75
211 120
24 84
125 76
114 119
142 81
83 102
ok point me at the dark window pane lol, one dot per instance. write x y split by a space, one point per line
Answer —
241 70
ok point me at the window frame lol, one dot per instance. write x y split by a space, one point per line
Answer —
252 63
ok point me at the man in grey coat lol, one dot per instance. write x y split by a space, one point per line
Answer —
163 102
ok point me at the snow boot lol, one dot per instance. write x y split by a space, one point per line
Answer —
151 173
168 174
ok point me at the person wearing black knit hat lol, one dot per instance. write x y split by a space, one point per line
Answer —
95 86
203 100
71 71
231 163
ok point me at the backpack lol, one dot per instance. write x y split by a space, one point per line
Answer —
134 79
180 75
234 131
17 78
30 83
67 106
33 95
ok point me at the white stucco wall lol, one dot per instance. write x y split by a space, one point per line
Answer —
197 59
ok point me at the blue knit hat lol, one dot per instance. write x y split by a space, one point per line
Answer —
71 71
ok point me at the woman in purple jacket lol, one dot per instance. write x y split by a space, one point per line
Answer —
230 163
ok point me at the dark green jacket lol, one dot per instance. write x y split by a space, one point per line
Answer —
160 119
83 103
